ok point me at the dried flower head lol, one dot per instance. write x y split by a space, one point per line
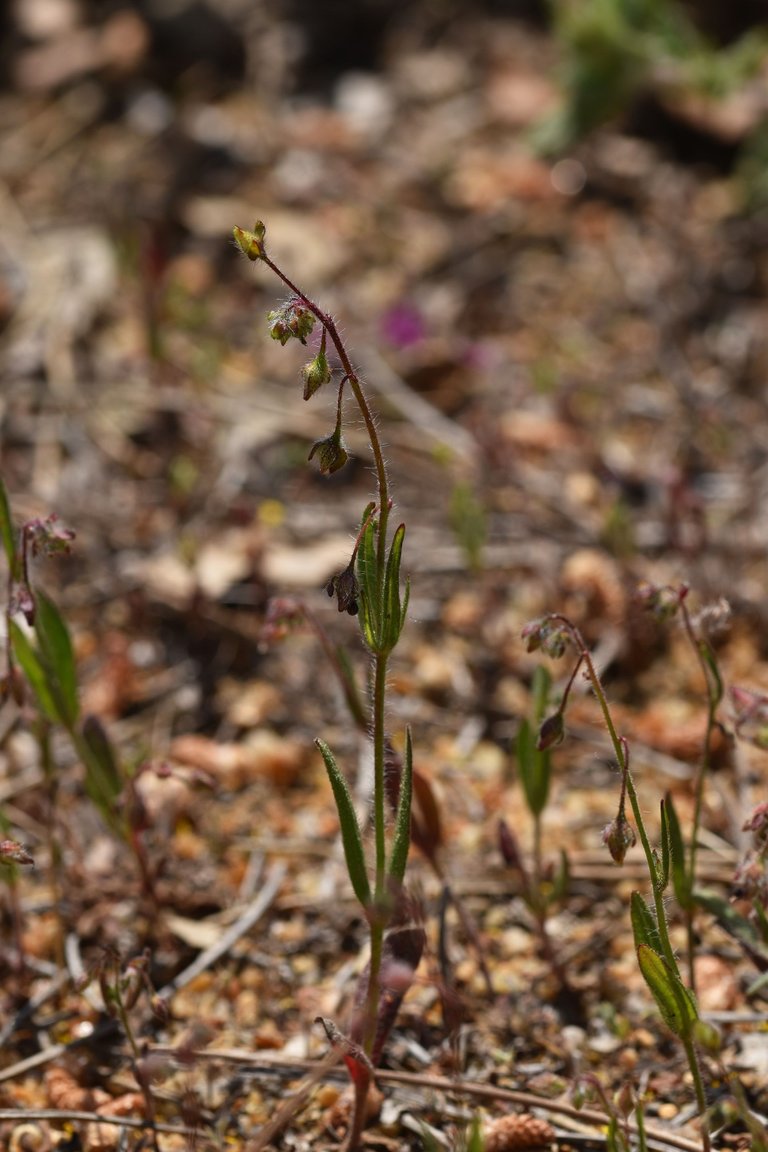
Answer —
346 590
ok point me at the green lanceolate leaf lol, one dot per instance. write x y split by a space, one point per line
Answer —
103 782
350 829
6 528
662 878
674 1001
351 691
402 841
534 766
57 657
394 614
682 882
644 927
367 575
541 685
751 934
475 1141
534 769
715 685
562 878
32 667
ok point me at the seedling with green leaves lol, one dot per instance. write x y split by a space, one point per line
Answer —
657 960
541 885
41 670
369 588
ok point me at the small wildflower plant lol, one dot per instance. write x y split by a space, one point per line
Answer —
554 635
370 589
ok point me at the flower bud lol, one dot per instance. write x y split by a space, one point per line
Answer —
619 835
531 633
707 1037
251 244
22 601
551 732
662 600
625 1100
510 848
548 634
316 373
292 320
346 590
331 453
11 852
48 538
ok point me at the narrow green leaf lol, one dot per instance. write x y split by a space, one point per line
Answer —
644 927
406 600
393 614
752 935
475 1141
6 528
351 691
541 684
57 657
611 1136
370 609
103 781
350 829
682 882
674 1001
715 680
662 878
402 840
33 669
562 877
534 769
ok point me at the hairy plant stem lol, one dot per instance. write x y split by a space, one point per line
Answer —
54 844
380 895
713 699
622 757
379 915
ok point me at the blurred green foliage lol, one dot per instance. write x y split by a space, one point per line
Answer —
614 50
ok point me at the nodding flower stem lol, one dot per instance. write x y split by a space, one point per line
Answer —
619 745
378 700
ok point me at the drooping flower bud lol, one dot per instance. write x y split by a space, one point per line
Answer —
548 634
620 836
316 373
551 732
331 453
510 848
345 588
624 1100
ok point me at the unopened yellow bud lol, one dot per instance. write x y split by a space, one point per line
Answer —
251 244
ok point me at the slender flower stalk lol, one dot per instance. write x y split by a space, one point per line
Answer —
369 587
656 956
